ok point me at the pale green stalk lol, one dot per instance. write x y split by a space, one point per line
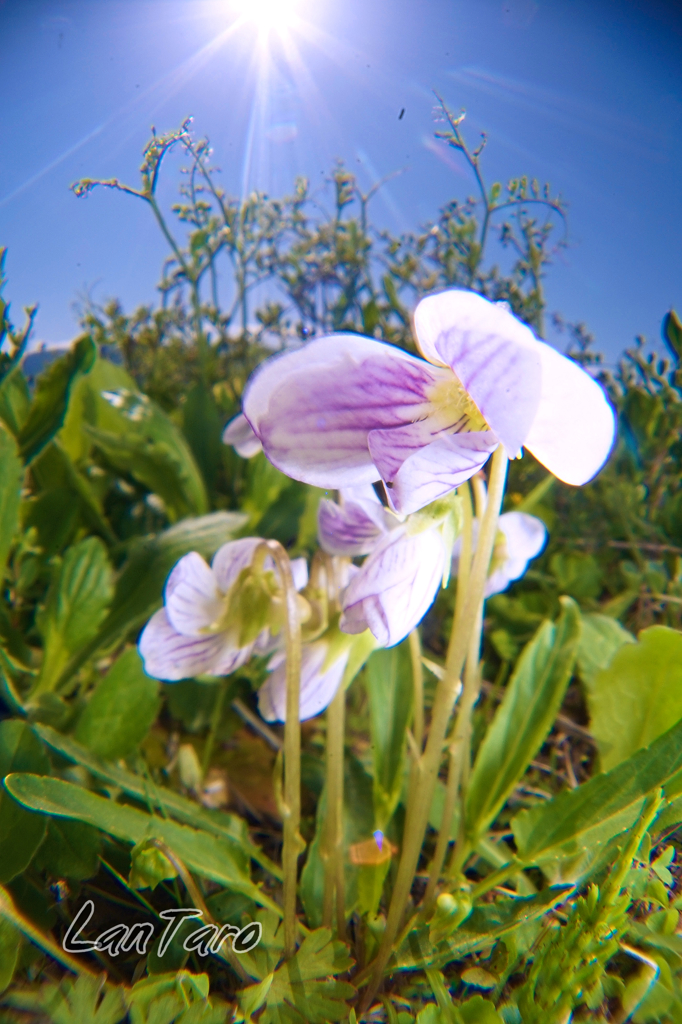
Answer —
418 689
421 795
453 777
462 738
458 771
293 844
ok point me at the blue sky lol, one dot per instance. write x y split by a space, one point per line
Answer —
585 94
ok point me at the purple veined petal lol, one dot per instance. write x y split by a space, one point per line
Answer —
170 656
231 558
439 468
192 599
493 355
574 428
395 586
525 537
239 433
318 684
313 408
346 530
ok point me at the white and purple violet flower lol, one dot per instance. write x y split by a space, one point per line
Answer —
200 630
346 410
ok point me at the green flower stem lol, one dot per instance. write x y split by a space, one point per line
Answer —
421 795
418 686
453 776
461 744
332 848
293 844
216 718
458 770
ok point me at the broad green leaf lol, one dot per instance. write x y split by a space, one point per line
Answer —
600 638
481 929
139 586
48 408
303 990
70 850
226 826
11 478
607 804
121 711
53 470
10 944
639 695
135 435
202 426
524 718
15 400
198 850
21 831
138 438
389 685
87 405
76 605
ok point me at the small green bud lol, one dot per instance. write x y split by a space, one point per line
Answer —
149 866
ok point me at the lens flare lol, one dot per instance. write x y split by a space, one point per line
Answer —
267 14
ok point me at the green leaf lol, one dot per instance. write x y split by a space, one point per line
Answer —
524 718
139 586
389 685
70 850
600 638
122 709
201 852
481 929
301 991
76 605
609 803
226 826
10 944
202 426
141 440
54 470
75 1001
48 408
639 695
479 1011
11 479
21 831
15 400
577 574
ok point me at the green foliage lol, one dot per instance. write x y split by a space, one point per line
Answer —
121 710
524 718
49 404
304 990
200 851
11 476
21 831
76 605
389 687
609 803
638 696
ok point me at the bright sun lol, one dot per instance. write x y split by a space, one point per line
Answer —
267 14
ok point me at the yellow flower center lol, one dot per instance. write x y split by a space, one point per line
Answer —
454 407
